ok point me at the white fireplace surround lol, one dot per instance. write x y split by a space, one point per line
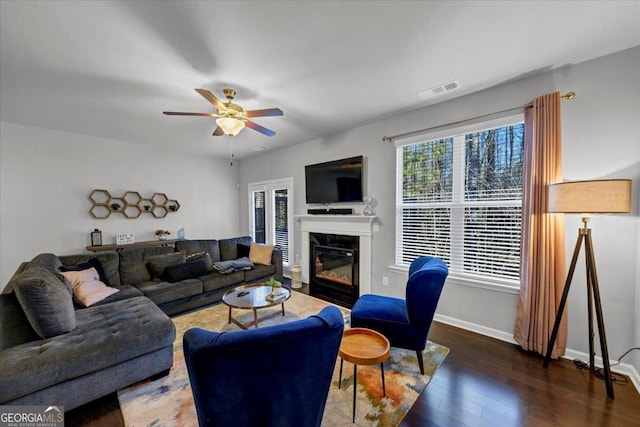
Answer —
349 225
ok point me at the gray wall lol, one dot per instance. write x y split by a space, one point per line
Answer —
600 140
47 176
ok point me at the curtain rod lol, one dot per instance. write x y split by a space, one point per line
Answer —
568 95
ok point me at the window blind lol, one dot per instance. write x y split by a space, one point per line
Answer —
281 213
459 198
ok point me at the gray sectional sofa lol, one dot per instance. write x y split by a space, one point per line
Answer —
53 352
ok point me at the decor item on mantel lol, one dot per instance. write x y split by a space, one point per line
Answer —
368 209
587 197
96 237
131 204
125 238
163 234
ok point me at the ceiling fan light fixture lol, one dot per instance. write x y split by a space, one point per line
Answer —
231 117
230 126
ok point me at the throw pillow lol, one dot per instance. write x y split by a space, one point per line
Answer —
260 254
46 301
158 263
92 263
243 250
87 287
201 256
188 270
194 256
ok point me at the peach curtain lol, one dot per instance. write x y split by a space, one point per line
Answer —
542 266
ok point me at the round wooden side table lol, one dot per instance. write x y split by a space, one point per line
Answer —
362 346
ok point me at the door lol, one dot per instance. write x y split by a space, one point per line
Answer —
271 216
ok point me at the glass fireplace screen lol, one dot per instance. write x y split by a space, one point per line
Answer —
334 264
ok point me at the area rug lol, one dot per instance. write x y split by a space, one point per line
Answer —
168 401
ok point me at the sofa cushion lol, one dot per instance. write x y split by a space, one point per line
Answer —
260 254
106 335
109 261
133 263
209 246
188 270
162 292
92 263
214 280
46 301
157 263
15 328
87 287
229 247
260 272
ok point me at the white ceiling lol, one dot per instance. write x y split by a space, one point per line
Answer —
108 69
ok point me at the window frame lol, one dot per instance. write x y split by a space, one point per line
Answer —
479 125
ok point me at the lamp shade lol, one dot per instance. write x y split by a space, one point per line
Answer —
598 196
230 126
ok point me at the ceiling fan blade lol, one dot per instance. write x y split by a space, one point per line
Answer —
178 113
263 130
265 112
211 98
218 131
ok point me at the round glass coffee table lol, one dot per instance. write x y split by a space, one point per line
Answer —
253 297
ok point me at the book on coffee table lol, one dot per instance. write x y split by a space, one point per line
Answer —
274 298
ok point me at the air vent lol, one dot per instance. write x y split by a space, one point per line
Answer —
438 90
261 148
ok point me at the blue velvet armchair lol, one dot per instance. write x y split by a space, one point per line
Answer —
275 375
405 323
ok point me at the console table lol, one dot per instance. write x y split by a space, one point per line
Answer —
116 247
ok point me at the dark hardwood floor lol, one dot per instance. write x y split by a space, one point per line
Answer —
482 382
487 382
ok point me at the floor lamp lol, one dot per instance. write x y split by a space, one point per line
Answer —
587 197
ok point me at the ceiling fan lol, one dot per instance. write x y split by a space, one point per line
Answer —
230 117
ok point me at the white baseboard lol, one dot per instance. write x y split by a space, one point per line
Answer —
622 368
474 327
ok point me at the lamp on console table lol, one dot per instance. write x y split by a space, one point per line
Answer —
588 197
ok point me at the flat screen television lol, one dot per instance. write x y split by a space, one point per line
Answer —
335 182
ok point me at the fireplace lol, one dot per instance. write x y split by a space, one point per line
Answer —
334 268
360 227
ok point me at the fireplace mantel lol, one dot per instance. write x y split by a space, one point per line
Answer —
350 225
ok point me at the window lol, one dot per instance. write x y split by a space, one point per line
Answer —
459 197
270 204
